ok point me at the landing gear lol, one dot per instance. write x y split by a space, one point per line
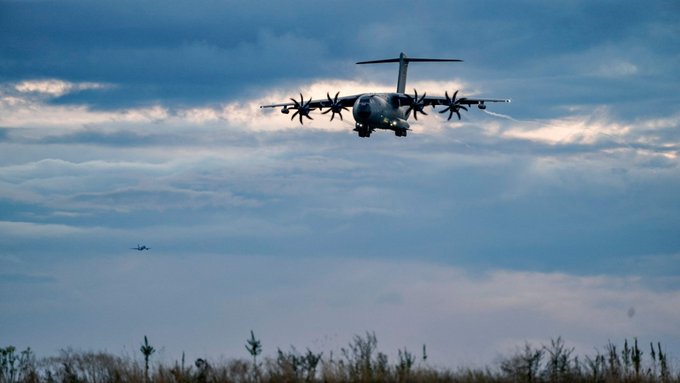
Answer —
362 130
400 133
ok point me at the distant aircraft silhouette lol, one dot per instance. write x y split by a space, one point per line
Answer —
140 248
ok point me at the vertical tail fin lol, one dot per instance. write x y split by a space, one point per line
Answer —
403 67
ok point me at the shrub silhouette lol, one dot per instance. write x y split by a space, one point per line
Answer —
359 361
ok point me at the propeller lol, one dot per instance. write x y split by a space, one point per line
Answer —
334 106
453 105
302 108
416 104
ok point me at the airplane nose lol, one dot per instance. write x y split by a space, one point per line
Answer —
364 111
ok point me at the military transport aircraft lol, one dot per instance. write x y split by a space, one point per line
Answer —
140 248
383 110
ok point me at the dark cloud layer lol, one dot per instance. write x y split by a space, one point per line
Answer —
183 54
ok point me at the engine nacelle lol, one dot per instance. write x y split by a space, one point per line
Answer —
481 106
285 110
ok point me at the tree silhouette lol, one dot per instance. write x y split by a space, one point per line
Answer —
146 350
254 347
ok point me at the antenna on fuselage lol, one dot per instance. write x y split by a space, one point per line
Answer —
403 67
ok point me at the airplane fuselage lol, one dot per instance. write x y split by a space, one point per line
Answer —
379 111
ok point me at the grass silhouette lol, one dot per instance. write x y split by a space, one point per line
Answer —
361 361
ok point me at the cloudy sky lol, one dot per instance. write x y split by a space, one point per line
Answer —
126 122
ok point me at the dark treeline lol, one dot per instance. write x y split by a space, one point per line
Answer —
360 361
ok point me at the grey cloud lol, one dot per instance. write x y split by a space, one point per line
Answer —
482 188
127 138
130 199
192 55
329 293
9 278
97 137
175 59
55 169
5 134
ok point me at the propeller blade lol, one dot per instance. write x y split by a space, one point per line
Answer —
302 108
453 105
416 104
334 106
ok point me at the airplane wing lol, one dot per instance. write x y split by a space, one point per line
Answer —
453 104
465 101
302 108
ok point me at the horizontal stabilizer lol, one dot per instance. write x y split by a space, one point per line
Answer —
403 61
408 59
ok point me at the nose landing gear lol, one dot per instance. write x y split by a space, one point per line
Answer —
363 131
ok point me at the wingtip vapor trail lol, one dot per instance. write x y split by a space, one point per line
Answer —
504 116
